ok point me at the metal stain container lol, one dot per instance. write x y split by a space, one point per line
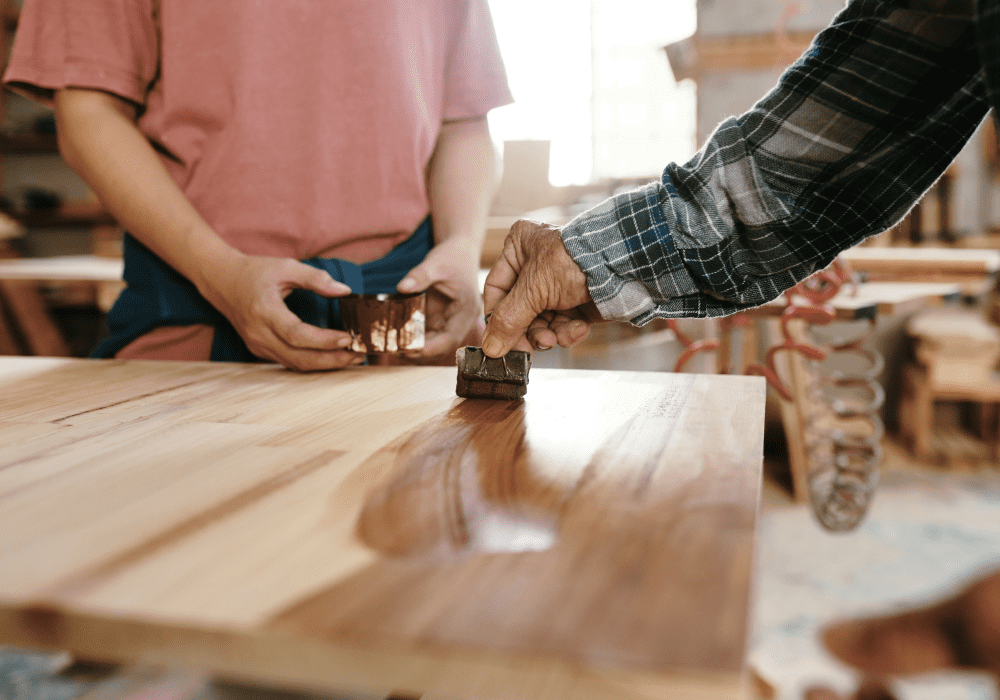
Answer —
384 323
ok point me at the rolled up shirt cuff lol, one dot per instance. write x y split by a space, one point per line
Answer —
625 248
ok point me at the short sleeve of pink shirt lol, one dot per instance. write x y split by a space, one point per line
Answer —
295 127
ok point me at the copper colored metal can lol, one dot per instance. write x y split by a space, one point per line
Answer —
384 323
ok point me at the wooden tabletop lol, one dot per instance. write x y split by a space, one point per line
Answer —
367 531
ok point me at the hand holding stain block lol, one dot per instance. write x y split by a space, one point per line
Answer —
483 377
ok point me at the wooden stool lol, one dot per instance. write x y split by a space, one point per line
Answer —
955 353
26 326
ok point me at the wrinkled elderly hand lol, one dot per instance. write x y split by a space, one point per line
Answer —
535 294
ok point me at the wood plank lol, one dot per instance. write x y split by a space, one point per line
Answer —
366 530
896 297
700 54
794 374
75 280
22 303
869 299
89 268
923 263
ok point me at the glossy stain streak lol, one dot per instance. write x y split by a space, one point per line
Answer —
461 484
553 525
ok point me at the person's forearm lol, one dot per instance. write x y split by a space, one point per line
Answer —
845 144
462 178
98 138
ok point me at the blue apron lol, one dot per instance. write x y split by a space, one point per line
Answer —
157 295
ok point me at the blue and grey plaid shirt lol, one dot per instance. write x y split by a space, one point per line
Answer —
851 137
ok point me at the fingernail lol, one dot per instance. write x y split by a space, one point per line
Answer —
544 347
407 285
358 360
343 342
492 346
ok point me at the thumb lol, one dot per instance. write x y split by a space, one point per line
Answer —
417 280
316 280
510 319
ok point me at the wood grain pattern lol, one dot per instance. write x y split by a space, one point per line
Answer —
368 531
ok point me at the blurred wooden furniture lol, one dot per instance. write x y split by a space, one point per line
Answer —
954 358
365 531
99 278
909 264
870 299
26 326
27 285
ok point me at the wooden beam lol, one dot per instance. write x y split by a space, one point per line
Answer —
699 54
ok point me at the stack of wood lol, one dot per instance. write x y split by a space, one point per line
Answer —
954 358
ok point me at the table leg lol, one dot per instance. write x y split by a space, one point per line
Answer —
35 323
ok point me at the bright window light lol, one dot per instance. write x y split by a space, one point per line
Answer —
592 78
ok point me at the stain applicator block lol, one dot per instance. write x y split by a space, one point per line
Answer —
484 377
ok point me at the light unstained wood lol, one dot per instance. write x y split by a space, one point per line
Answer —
953 358
22 304
75 280
700 54
794 374
367 530
90 268
923 263
896 297
868 299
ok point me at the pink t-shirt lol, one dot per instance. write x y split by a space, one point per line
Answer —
295 127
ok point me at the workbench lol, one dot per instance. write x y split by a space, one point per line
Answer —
367 532
26 325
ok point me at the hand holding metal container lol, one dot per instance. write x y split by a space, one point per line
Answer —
384 323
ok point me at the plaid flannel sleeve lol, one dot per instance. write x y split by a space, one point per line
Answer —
850 138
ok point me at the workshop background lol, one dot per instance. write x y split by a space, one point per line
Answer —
603 103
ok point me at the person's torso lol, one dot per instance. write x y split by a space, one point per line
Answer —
303 127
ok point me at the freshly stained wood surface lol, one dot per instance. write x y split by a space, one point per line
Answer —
367 530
